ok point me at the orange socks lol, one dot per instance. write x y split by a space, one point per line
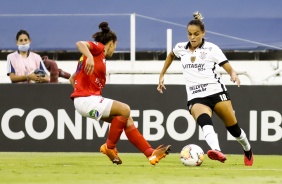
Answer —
116 128
138 140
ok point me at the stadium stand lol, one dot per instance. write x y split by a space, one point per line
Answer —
249 32
57 25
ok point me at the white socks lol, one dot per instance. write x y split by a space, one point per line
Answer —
212 140
242 139
211 137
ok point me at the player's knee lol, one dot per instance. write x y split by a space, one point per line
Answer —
130 122
125 110
204 119
234 130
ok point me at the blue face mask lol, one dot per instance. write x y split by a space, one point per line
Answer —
23 48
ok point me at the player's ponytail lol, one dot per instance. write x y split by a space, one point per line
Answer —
197 20
105 35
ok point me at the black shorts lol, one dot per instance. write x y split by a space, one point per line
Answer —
209 101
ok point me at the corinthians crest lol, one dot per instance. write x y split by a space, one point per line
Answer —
203 55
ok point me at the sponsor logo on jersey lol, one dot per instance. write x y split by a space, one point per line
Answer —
193 66
200 66
93 113
100 83
102 99
198 88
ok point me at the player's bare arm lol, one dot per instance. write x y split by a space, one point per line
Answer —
167 63
233 74
83 47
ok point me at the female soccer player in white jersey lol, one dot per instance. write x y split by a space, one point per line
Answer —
205 90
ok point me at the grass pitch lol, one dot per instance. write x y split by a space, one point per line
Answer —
76 168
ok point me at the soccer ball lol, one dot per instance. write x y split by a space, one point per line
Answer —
192 155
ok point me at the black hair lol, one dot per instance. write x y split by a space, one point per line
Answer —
105 35
197 21
22 31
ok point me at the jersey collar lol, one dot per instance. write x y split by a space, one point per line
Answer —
188 44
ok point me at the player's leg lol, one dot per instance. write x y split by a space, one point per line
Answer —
120 113
202 115
135 137
117 114
225 111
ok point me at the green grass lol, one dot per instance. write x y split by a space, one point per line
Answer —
75 168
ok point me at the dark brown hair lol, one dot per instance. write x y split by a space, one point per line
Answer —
22 32
105 35
197 21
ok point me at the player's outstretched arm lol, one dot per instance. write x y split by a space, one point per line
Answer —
233 74
167 63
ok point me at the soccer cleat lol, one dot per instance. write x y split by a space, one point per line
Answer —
248 158
159 153
111 153
216 155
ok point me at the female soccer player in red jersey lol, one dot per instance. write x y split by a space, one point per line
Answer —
205 91
88 82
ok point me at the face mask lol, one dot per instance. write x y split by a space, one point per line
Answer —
23 48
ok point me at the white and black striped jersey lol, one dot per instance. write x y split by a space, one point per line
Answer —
199 68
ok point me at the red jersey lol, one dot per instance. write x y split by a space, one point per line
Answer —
92 84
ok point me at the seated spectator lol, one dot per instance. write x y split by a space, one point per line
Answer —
24 66
55 72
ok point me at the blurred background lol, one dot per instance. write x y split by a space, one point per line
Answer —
246 31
